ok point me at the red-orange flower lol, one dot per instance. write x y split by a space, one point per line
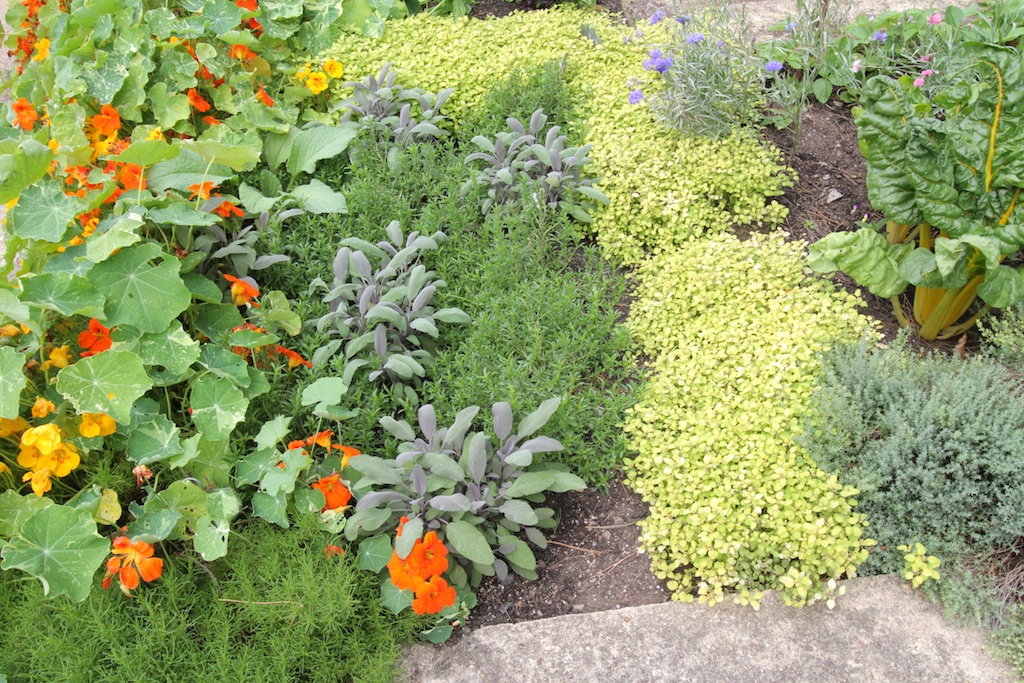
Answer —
294 359
107 122
227 210
25 115
263 97
248 5
347 452
131 561
433 596
336 493
242 292
429 556
94 339
131 177
403 575
334 551
241 52
296 445
211 120
201 190
197 101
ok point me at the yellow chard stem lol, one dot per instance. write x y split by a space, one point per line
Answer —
951 332
933 323
897 307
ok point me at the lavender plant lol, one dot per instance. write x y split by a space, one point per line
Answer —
520 165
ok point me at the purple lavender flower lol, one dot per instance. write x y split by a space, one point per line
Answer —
880 35
694 38
656 17
635 96
773 66
791 26
683 19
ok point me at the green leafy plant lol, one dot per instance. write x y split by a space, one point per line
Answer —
920 566
385 312
736 506
520 168
477 494
933 445
943 174
654 201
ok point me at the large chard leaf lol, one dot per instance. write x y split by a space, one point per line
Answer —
60 547
866 256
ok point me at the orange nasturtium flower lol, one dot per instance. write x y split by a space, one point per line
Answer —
211 120
433 596
107 122
429 556
334 69
263 97
240 52
132 178
316 82
41 408
96 424
132 560
201 190
25 115
403 575
248 5
227 210
197 101
242 292
95 339
336 493
294 359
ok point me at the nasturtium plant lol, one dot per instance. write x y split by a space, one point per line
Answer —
945 173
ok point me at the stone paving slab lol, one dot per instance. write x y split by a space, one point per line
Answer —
881 631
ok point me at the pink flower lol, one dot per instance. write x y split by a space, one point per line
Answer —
935 19
927 72
856 66
926 58
918 82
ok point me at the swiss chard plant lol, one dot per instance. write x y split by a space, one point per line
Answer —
384 314
521 165
947 174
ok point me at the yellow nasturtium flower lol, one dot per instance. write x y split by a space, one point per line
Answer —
12 427
40 481
334 69
96 424
303 73
42 50
41 408
316 82
60 357
4 469
44 439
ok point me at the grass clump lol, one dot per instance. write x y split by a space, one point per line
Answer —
275 609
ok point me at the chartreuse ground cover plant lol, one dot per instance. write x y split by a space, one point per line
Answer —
945 173
663 188
733 330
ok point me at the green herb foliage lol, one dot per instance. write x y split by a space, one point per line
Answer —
934 445
276 609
